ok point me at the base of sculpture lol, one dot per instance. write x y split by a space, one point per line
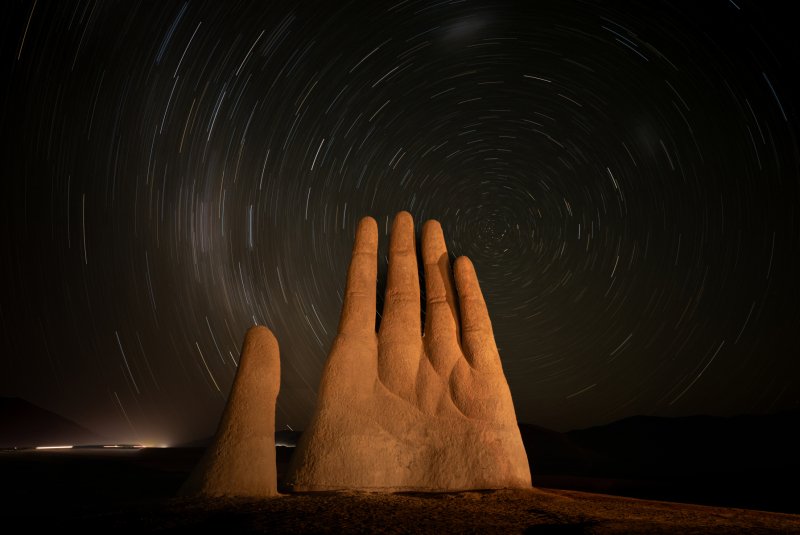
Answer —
408 453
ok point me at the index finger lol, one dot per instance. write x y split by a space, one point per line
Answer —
358 309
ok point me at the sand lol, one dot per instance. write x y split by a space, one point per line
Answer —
134 491
511 511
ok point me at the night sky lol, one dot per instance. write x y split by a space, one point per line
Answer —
624 178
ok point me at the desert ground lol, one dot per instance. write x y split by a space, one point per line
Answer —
135 491
532 511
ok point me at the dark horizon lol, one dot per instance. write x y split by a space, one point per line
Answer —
625 180
33 424
744 461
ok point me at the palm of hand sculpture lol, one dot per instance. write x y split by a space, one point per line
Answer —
399 410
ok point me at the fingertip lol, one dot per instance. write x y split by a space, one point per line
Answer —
463 265
404 216
366 233
430 226
368 222
260 355
262 335
433 244
259 331
402 237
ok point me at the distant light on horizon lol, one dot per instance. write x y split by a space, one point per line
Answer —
97 446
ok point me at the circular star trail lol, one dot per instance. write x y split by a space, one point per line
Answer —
624 178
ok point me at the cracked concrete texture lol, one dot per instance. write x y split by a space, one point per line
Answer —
405 410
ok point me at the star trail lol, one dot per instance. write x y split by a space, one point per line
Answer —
623 175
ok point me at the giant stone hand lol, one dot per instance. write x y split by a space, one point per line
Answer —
403 410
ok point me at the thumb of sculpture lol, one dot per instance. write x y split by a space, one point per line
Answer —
241 459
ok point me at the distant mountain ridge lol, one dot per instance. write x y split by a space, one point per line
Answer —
655 446
742 461
749 461
23 424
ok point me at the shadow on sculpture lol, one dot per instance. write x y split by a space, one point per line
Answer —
400 409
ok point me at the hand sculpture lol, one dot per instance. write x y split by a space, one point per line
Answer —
241 460
399 410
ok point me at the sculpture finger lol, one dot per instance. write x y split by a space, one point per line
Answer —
477 338
241 459
358 309
441 316
260 357
401 309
